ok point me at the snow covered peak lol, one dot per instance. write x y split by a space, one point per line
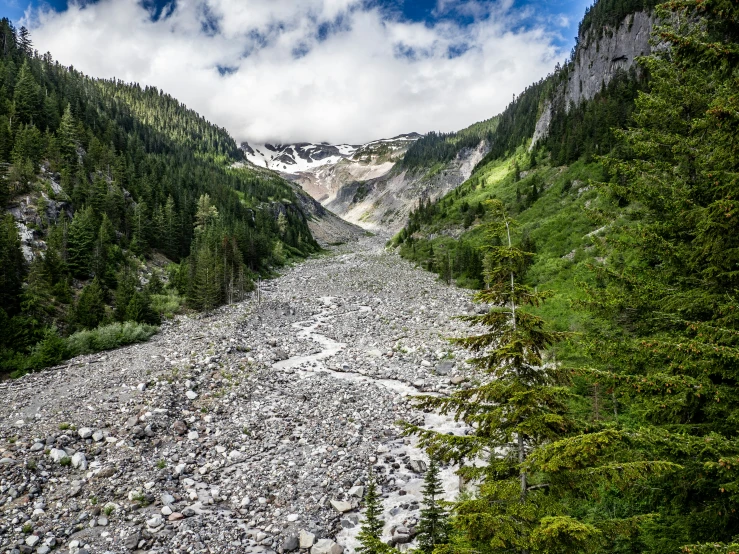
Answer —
305 156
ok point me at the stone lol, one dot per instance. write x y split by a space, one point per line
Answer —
141 387
37 446
419 466
444 367
79 461
167 499
98 436
292 518
290 544
306 539
179 427
57 454
166 511
341 506
191 394
280 354
131 542
357 491
155 521
326 546
32 540
193 435
85 433
457 380
176 516
102 521
108 471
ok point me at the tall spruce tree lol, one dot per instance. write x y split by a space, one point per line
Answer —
531 457
670 341
371 531
433 525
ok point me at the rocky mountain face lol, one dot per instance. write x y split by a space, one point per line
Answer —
364 184
598 59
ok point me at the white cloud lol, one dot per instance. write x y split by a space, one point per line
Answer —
370 76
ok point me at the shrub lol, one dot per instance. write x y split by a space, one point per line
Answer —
108 337
167 304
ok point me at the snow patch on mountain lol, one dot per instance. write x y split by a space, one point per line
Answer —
304 156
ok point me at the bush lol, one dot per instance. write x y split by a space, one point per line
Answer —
108 337
168 304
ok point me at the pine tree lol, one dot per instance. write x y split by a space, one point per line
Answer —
81 243
26 100
67 135
668 338
536 452
433 526
12 265
89 311
370 533
24 41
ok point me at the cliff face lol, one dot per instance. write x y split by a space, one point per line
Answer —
598 59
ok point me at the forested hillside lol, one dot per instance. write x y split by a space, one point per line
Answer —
105 184
608 253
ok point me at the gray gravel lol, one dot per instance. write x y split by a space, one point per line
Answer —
249 429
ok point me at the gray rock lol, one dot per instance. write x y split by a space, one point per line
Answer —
131 542
191 394
326 546
306 539
98 436
419 466
37 446
79 461
290 543
179 427
32 540
444 367
357 491
85 433
167 499
341 506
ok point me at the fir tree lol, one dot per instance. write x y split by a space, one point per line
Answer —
433 525
89 311
12 265
535 451
81 243
26 96
370 533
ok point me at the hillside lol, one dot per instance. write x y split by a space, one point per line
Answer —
112 186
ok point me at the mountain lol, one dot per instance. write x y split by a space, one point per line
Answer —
120 204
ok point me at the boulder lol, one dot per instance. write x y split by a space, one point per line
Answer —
326 546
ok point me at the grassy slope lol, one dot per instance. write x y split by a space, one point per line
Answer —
559 223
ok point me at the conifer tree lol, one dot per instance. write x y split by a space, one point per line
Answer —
26 100
370 533
67 135
433 525
668 343
89 310
12 265
81 243
527 452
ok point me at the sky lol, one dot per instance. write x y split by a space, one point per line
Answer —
340 71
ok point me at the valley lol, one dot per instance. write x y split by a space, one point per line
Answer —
249 429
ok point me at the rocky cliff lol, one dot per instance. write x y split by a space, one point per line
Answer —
599 56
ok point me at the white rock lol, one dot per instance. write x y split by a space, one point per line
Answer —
293 517
85 433
57 454
192 435
32 540
191 394
326 546
166 510
155 521
306 539
141 387
341 506
79 461
357 492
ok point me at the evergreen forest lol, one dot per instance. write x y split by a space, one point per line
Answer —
606 405
123 206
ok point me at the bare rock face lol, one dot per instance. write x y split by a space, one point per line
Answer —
598 59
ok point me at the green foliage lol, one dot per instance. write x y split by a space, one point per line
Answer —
433 525
108 337
370 534
89 310
135 167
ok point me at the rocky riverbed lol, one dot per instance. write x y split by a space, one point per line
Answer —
250 429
